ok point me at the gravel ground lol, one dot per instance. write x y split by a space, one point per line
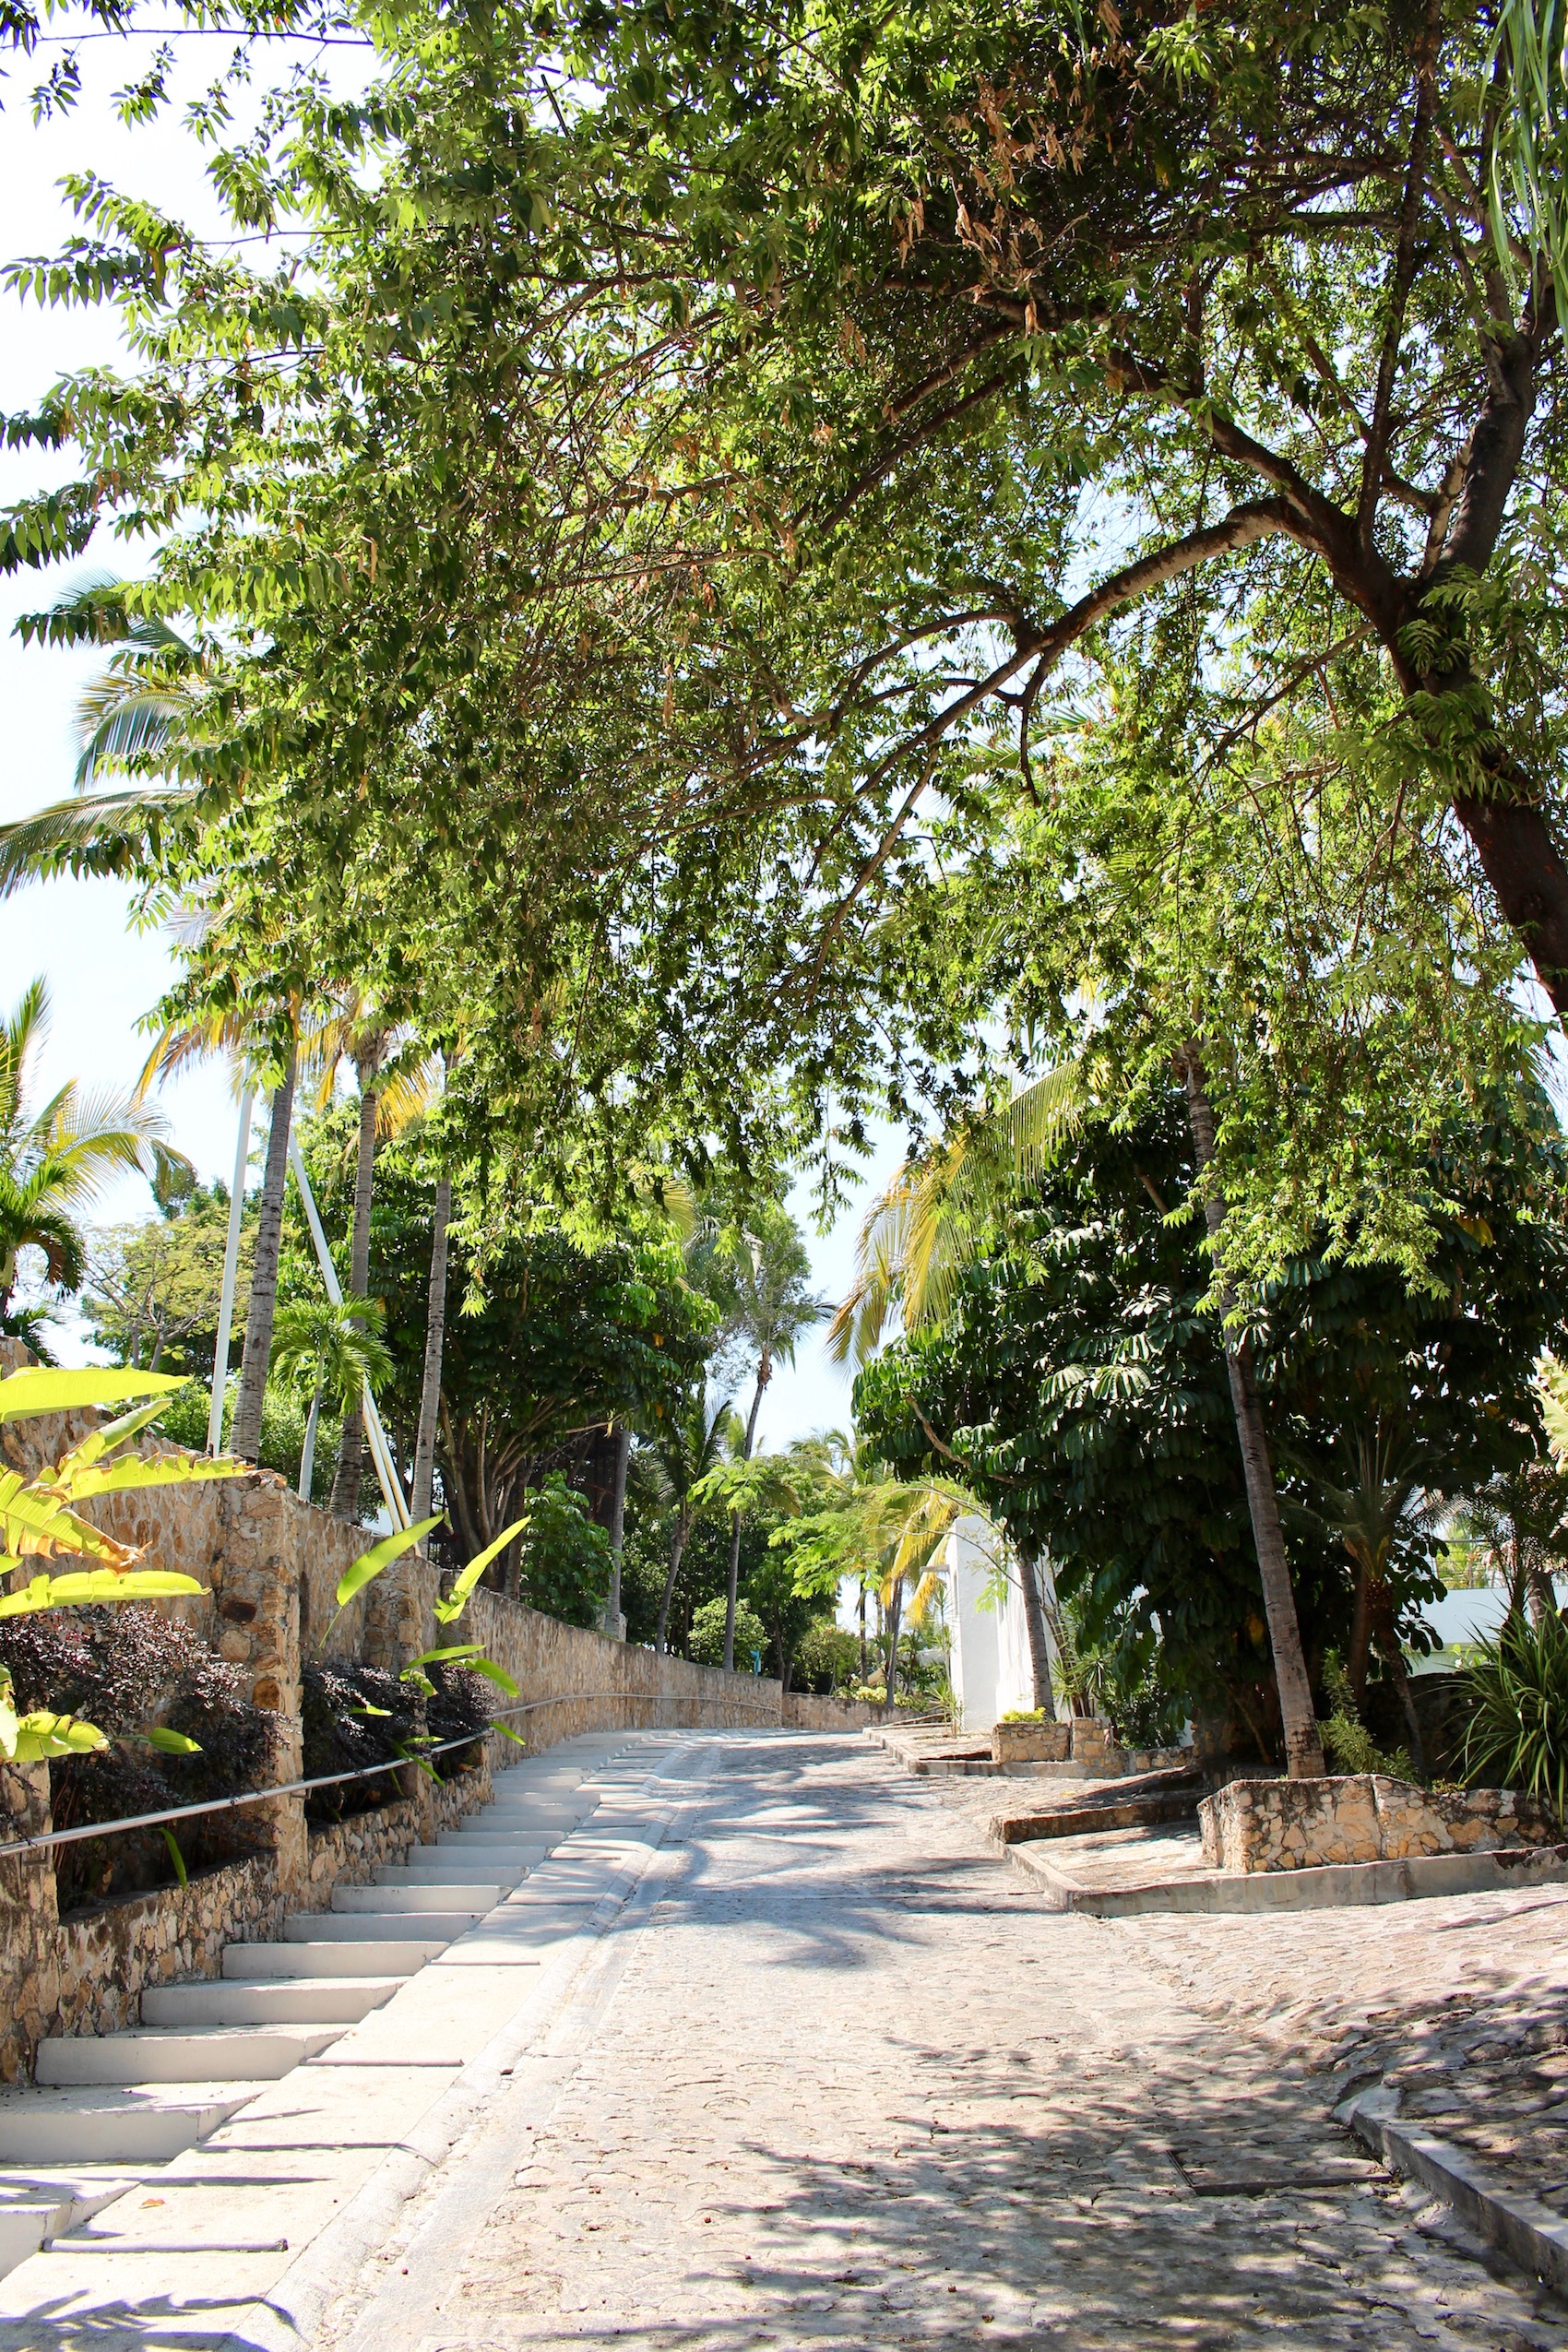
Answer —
852 2085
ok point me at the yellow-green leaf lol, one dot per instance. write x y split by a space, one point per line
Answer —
170 1743
24 1394
458 1598
370 1563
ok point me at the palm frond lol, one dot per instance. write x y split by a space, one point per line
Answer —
1528 148
102 834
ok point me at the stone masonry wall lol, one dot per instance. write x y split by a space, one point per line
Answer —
268 1565
1360 1817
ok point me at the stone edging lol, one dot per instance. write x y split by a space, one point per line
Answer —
1523 2227
1326 1886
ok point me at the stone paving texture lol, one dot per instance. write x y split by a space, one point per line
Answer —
837 2080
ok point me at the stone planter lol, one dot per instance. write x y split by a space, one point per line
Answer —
1030 1742
1360 1817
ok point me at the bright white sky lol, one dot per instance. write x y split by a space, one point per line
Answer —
103 975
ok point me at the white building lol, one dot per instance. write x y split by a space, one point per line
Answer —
991 1670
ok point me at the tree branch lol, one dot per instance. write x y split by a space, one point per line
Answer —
1401 279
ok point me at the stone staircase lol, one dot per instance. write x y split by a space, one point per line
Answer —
108 2109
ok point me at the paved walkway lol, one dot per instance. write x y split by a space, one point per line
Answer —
836 2079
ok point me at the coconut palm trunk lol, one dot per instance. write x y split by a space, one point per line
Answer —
245 1440
435 1341
895 1612
307 1456
763 1374
615 1619
345 1499
1303 1749
1034 1623
677 1547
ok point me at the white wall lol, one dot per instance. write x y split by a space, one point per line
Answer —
992 1675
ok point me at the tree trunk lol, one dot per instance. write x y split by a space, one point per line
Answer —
1360 1635
307 1456
434 1340
678 1545
763 1374
244 1438
894 1612
1543 1599
1034 1620
1394 1660
1303 1749
614 1621
345 1499
862 1629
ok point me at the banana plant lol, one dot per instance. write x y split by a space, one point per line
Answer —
381 1556
39 1522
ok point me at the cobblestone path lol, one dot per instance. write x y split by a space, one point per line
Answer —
838 2081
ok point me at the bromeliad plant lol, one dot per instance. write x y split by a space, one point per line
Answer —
1518 1733
39 1522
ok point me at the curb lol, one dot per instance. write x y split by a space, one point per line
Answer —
1522 2226
1328 1886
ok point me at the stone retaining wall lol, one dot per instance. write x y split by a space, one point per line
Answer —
268 1565
1360 1817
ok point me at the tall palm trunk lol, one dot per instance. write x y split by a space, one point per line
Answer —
345 1499
307 1456
677 1546
763 1374
1360 1656
1387 1634
894 1612
615 1617
1034 1621
1303 1749
244 1438
435 1341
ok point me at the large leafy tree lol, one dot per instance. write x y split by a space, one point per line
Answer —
1078 1384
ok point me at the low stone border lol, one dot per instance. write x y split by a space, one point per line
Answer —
1329 1886
1523 2227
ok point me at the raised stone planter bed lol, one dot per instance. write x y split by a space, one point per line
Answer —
1030 1742
1258 1825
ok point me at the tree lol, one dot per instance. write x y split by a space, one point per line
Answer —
334 1350
151 1290
757 1272
689 1437
55 1157
1079 1387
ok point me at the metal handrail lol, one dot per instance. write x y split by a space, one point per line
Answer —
335 1780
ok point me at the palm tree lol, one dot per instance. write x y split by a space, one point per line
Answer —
361 1032
687 1442
127 719
241 1033
764 1270
336 1349
54 1159
920 1233
1378 1497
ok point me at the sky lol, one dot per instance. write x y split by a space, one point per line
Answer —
103 976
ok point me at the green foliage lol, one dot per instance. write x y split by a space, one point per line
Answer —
705 1643
564 1557
284 1416
1080 1383
1347 1743
150 1292
1518 1732
827 1657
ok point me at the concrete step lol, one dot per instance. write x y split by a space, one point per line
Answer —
439 1927
453 1895
175 2054
453 1875
59 2127
459 1857
402 1956
36 2206
313 2001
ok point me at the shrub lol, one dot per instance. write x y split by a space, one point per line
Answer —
356 1716
124 1669
283 1414
1519 1687
705 1645
826 1658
